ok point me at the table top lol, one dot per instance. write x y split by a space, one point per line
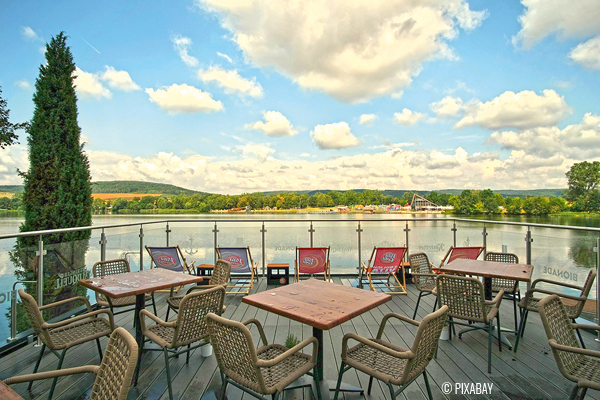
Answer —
322 305
139 282
278 265
7 393
490 269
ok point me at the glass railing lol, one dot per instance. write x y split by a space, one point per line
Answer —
563 253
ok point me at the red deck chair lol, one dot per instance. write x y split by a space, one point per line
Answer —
472 253
311 261
386 260
241 264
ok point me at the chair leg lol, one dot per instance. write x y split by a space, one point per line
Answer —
579 335
435 304
417 306
99 348
499 331
515 310
187 357
526 315
139 363
275 396
339 382
153 303
574 393
168 373
391 387
317 392
37 364
427 385
168 310
521 327
583 392
370 385
224 383
489 347
59 366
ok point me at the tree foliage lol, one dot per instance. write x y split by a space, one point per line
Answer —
7 128
583 178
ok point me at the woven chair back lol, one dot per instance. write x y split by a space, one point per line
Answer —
166 258
221 273
472 253
110 267
419 264
36 319
558 326
235 352
191 321
509 285
312 260
117 367
239 258
464 297
386 260
425 343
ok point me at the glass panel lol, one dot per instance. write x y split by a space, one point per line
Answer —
432 237
242 233
341 236
196 240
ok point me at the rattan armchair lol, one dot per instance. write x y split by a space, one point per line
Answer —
266 370
573 304
465 299
67 333
510 286
220 277
115 267
579 365
423 277
113 375
390 363
189 330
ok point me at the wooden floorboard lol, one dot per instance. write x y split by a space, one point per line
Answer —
531 373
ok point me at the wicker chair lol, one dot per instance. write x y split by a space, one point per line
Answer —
189 327
115 267
579 365
392 364
510 287
65 334
262 371
465 299
573 304
113 375
423 277
220 277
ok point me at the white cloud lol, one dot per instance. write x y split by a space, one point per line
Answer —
225 56
89 85
23 84
183 99
258 151
408 117
30 34
565 18
275 125
118 79
587 54
182 45
348 50
305 155
523 110
447 107
231 81
367 119
333 136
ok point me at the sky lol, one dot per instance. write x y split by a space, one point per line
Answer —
234 96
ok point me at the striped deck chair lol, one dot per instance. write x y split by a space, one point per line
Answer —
170 258
472 253
311 261
386 260
241 265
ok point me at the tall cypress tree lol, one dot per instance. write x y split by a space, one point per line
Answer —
57 185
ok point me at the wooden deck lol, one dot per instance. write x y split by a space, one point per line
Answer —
529 374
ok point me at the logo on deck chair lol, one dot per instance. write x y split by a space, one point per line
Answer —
309 260
388 257
235 261
165 260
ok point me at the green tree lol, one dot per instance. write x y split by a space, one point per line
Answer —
513 205
582 178
5 203
118 205
57 184
7 128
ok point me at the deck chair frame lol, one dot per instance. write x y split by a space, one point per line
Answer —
244 284
450 256
326 272
392 256
185 267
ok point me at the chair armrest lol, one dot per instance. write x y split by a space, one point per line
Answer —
397 316
578 350
292 351
261 332
52 374
154 318
497 299
555 283
587 326
48 325
66 301
566 296
368 342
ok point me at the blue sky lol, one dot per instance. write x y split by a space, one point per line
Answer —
232 96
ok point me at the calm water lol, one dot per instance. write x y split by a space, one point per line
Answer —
556 253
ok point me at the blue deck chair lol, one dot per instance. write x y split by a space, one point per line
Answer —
242 267
170 258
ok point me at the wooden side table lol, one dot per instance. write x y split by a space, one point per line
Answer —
278 274
206 271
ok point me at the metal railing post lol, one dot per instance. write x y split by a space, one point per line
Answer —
215 231
528 241
102 246
141 247
454 232
484 234
359 230
167 231
263 231
311 230
40 278
406 229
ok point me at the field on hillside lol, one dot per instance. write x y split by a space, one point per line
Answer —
126 196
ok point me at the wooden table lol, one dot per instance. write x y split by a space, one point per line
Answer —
6 393
138 283
320 304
